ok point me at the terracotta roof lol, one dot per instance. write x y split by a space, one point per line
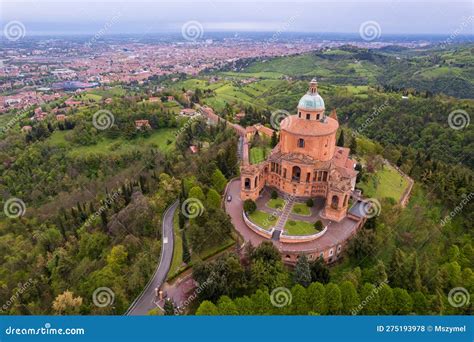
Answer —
294 125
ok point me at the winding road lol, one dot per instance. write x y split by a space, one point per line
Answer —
145 301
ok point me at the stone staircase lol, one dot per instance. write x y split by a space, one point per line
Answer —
284 214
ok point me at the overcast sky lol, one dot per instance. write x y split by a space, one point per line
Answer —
150 16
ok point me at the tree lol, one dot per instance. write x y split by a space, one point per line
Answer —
302 272
299 301
274 194
186 253
386 300
117 258
333 299
226 306
340 140
318 225
249 206
363 245
66 303
316 298
403 301
218 180
274 140
420 303
370 299
397 273
353 145
207 308
319 271
169 307
310 203
349 297
414 274
213 199
196 192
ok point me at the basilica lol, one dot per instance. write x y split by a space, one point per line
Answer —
306 163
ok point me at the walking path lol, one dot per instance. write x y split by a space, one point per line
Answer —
145 301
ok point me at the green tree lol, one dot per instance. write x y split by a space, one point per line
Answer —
414 274
349 297
340 140
274 140
207 308
213 199
186 253
333 301
316 298
397 272
302 272
403 301
249 206
319 271
169 307
369 298
226 306
386 300
218 180
299 302
420 303
117 258
196 192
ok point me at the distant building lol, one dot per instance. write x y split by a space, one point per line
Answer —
26 129
60 117
188 112
142 124
194 149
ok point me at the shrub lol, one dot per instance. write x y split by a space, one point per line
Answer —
309 202
318 225
274 194
249 206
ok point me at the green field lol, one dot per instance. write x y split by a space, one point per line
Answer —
159 139
277 203
301 209
258 154
263 219
295 227
385 183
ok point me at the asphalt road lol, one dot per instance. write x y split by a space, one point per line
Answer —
145 302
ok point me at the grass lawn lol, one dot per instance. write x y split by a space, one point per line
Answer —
385 183
301 209
258 154
293 227
159 139
178 247
263 219
276 203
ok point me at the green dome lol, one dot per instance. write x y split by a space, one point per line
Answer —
311 102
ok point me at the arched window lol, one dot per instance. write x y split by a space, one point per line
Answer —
308 116
346 199
300 142
247 183
296 174
334 202
299 114
256 181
